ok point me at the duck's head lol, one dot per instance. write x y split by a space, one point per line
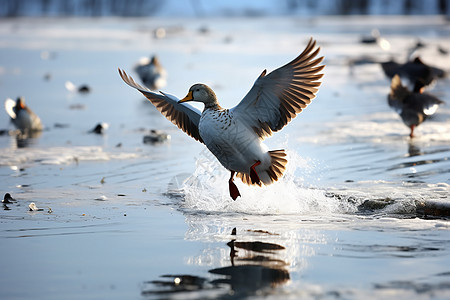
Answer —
154 60
20 103
201 93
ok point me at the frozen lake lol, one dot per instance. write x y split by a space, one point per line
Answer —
362 213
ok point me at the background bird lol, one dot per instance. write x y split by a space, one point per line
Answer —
151 72
418 73
413 107
21 115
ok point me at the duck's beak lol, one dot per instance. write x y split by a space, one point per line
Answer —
187 98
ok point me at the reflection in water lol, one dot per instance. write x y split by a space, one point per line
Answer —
174 284
413 150
26 139
417 287
253 268
416 161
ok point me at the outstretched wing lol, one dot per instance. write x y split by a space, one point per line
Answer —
185 116
277 98
9 107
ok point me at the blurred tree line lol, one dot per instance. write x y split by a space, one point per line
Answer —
139 8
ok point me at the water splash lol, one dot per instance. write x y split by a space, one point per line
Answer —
207 190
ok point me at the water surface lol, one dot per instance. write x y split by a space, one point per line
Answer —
361 213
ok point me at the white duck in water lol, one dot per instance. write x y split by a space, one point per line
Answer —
21 115
235 135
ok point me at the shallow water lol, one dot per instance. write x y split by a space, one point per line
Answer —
361 213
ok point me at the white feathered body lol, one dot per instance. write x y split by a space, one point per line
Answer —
236 146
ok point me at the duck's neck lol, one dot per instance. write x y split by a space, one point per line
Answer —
213 106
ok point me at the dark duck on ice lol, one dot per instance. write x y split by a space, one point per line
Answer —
21 116
418 73
8 198
413 107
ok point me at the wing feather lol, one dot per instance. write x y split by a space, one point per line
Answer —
185 116
9 107
276 98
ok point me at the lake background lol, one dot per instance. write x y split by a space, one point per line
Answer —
361 213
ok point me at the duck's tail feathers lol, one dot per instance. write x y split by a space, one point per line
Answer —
273 173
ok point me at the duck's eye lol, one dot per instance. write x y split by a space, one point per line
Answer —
197 90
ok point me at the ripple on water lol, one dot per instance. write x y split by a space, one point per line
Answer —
207 191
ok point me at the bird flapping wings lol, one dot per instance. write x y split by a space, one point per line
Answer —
276 98
185 116
273 101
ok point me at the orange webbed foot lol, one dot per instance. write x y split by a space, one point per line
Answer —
411 135
234 192
253 175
